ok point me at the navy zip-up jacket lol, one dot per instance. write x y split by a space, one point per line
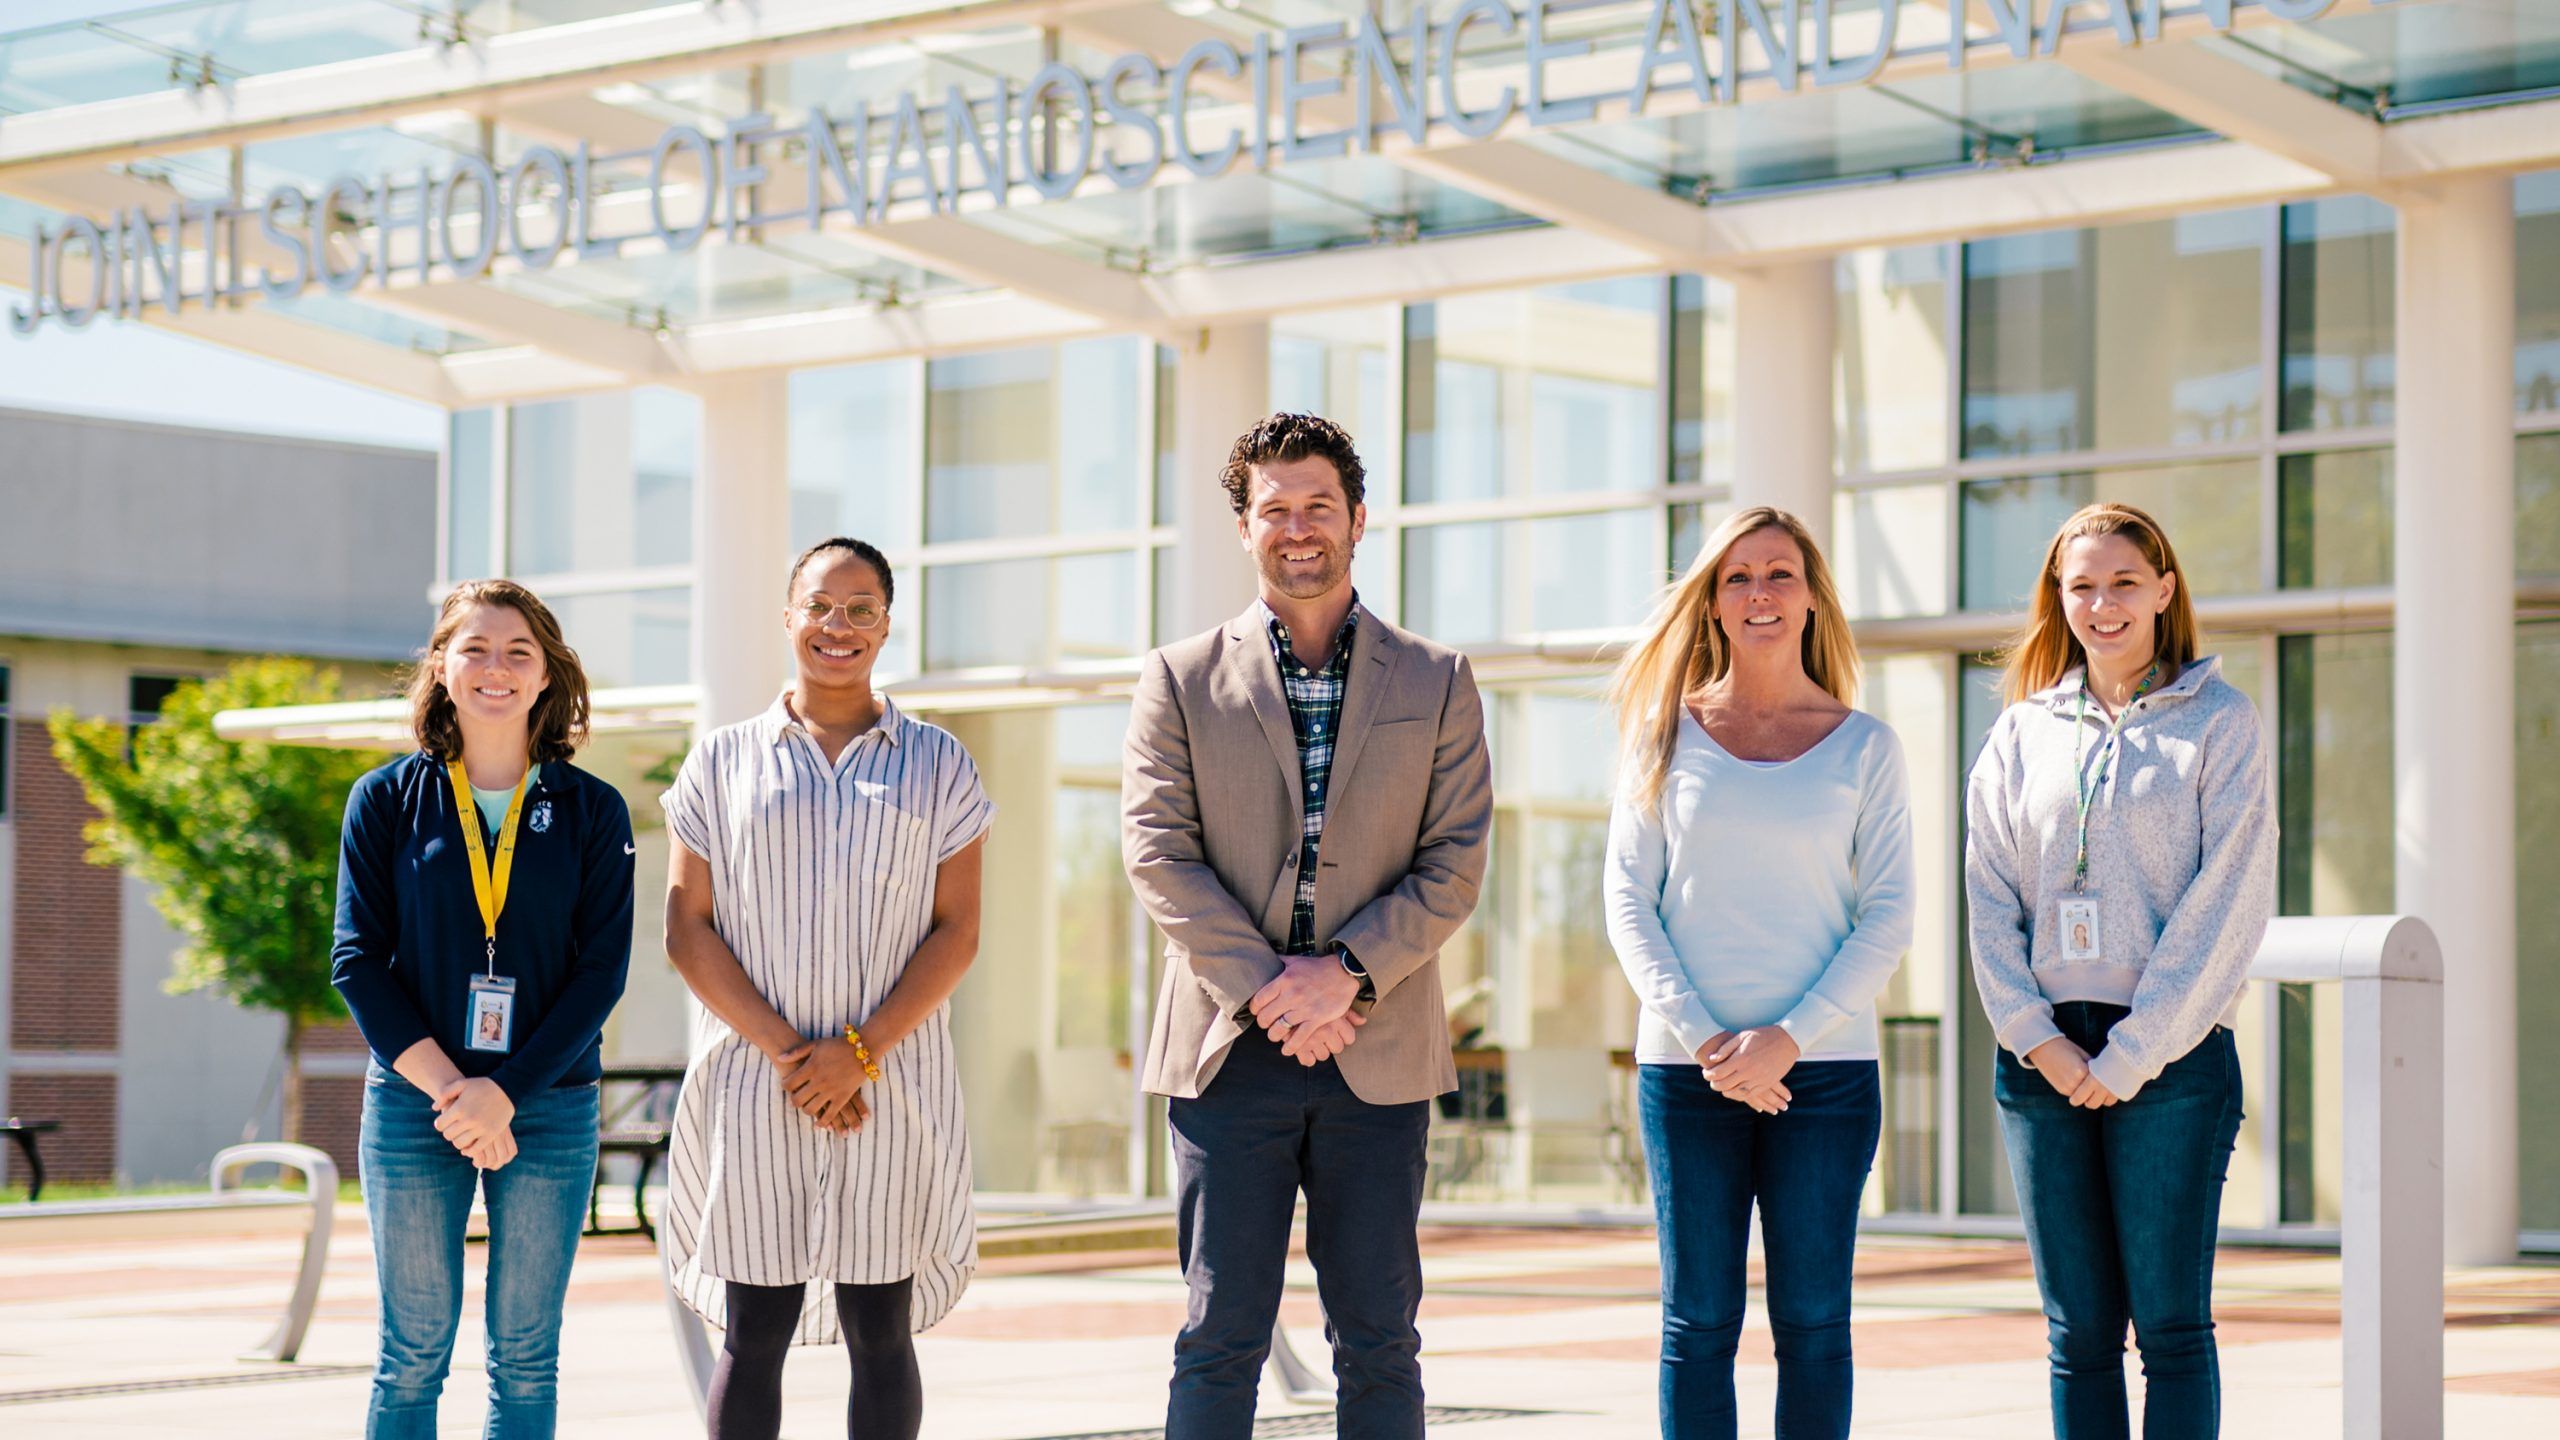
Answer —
409 937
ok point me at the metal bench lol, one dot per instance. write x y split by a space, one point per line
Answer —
637 1128
172 1214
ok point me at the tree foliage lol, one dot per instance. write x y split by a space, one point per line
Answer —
239 841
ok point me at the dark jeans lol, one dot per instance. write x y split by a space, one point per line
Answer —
1266 1128
1710 1158
417 1194
2121 1207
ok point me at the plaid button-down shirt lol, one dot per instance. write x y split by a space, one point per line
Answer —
1315 712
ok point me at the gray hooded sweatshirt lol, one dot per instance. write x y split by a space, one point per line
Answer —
2182 860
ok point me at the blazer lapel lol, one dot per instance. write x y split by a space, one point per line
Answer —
1250 656
1373 665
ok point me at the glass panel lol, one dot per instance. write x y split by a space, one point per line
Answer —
1339 364
2538 917
856 453
2538 504
1983 1184
471 463
2410 60
1168 433
2337 520
1703 364
1913 694
1041 441
2127 337
1889 550
1534 392
1031 613
2538 291
604 482
1504 580
2338 325
2210 511
630 637
1890 349
2334 858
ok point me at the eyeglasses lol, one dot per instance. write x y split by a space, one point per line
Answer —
859 614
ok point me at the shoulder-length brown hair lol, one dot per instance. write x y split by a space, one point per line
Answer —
558 724
1681 650
2046 650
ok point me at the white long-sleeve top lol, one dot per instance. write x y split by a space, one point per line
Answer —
1759 894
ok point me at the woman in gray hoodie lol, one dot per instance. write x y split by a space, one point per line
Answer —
2120 863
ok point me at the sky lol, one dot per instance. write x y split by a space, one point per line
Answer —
131 371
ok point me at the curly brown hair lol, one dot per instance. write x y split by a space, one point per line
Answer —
1289 436
558 723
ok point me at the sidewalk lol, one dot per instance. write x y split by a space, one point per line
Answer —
1527 1335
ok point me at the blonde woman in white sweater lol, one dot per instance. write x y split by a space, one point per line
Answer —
2120 863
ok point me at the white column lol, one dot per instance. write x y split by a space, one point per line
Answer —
741 546
1222 384
1782 391
2453 671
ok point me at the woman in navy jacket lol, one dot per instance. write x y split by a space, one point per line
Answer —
483 933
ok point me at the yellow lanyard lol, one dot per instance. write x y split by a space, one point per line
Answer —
488 882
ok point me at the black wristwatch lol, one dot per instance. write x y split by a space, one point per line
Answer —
1351 965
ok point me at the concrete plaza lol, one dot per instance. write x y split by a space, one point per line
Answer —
1526 1334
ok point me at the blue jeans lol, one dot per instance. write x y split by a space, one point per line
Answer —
2122 1205
1710 1158
1265 1128
417 1194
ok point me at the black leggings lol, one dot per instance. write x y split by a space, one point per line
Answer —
888 1391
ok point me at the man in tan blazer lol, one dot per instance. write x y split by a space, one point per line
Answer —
1305 806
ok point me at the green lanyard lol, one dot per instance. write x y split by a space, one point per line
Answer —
2089 778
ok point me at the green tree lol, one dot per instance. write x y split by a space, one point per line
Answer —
241 840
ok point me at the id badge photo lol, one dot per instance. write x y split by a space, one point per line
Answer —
2076 920
493 1013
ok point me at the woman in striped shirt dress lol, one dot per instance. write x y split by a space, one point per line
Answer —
822 903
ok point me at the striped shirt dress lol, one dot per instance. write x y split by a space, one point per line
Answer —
822 881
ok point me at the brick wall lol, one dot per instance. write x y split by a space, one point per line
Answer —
85 1147
67 940
66 953
332 1109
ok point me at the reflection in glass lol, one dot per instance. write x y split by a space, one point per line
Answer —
1502 580
1095 938
1338 364
1031 613
2125 337
2538 911
1889 550
1983 1183
1534 392
471 480
2337 519
2538 291
2538 506
1890 348
1703 360
855 453
1911 693
1038 441
2209 510
2339 328
603 482
630 637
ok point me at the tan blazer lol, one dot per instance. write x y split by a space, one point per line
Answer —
1210 816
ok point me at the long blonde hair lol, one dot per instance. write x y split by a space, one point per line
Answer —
1681 650
2046 650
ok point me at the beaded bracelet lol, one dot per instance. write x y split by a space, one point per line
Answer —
862 1053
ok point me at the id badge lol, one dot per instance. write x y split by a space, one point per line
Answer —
2076 917
493 1013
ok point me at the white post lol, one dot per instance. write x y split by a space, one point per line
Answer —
1782 391
2453 685
741 546
1222 384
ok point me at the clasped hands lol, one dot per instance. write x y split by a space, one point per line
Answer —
824 1078
1751 1066
2065 1067
1307 1008
474 1115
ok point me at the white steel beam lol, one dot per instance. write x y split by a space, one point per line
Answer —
482 309
2207 87
1537 182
